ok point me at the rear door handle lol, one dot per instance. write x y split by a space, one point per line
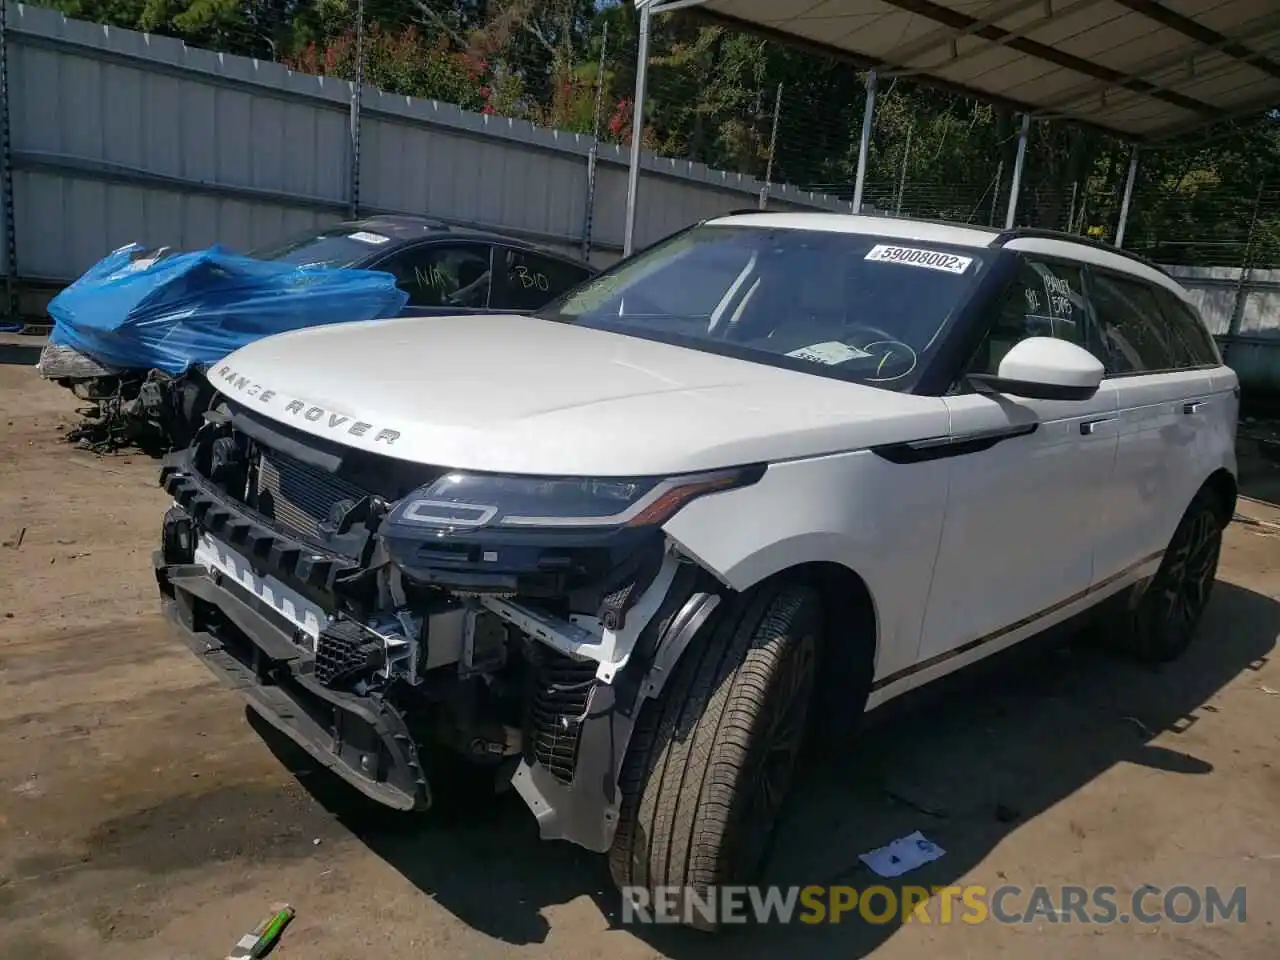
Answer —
1090 427
1193 407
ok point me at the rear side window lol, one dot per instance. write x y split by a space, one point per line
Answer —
1131 325
1190 338
529 280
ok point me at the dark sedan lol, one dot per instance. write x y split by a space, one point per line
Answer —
445 269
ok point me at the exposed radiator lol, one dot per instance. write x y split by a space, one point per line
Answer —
562 687
298 496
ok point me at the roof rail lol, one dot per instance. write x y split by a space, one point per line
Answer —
746 211
937 222
1042 233
959 224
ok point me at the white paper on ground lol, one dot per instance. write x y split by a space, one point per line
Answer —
902 855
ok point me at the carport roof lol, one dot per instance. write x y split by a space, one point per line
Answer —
1144 70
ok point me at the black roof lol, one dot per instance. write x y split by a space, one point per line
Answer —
405 228
397 226
1007 235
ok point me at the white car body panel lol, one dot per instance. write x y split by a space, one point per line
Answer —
513 394
925 670
1009 506
879 519
1164 456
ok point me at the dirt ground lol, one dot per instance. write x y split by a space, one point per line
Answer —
143 816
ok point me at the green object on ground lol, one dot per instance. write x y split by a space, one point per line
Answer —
275 926
263 937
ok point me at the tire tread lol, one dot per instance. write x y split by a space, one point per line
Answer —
689 747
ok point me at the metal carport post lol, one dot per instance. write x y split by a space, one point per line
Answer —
864 144
1128 195
646 8
1020 161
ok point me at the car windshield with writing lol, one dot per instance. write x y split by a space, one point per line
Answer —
330 248
843 305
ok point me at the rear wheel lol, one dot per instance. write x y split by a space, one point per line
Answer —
1164 621
711 760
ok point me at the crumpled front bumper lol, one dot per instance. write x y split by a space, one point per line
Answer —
362 741
255 651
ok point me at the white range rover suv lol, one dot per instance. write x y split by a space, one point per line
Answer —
621 552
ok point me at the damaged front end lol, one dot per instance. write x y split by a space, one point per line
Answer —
149 409
379 611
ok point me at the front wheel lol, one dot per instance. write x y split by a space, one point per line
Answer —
1162 625
711 759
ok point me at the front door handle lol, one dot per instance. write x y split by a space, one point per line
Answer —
1192 407
1090 427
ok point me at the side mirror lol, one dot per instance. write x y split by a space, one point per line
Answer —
1044 368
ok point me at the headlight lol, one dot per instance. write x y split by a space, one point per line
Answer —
460 501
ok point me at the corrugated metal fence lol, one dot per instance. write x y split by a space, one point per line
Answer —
1242 309
120 136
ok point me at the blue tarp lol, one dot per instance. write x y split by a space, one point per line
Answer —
135 312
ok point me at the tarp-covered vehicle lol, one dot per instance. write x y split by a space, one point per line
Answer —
135 333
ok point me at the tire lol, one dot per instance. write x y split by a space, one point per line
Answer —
1162 625
732 718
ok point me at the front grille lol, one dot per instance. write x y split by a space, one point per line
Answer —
562 688
298 496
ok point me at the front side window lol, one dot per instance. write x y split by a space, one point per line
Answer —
1045 300
443 274
1131 326
870 309
529 281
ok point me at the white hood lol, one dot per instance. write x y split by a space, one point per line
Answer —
521 395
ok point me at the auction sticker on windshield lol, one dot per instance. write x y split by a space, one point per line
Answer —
916 257
831 352
365 237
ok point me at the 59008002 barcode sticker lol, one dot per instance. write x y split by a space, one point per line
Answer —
915 257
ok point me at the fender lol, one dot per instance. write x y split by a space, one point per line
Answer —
879 519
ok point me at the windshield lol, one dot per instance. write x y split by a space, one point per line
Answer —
338 247
845 305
